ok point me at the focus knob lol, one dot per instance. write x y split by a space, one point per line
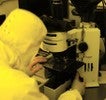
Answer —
83 46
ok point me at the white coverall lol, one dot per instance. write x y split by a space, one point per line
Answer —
20 37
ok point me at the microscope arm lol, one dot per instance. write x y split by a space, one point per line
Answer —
85 8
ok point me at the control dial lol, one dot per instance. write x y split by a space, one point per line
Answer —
83 46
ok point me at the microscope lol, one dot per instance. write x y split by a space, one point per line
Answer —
73 49
68 48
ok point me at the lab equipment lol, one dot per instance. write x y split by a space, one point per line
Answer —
73 49
86 8
60 41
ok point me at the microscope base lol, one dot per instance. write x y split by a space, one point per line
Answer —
53 94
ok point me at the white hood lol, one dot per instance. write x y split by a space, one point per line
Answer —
21 33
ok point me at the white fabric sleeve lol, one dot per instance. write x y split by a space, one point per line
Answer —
70 95
34 96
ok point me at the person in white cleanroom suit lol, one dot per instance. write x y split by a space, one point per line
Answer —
20 37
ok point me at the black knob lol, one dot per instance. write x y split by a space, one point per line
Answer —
83 46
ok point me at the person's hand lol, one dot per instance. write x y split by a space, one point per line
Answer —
35 65
78 84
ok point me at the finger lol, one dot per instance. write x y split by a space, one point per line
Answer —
36 68
37 60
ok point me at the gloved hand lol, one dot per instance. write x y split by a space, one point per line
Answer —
35 65
78 84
